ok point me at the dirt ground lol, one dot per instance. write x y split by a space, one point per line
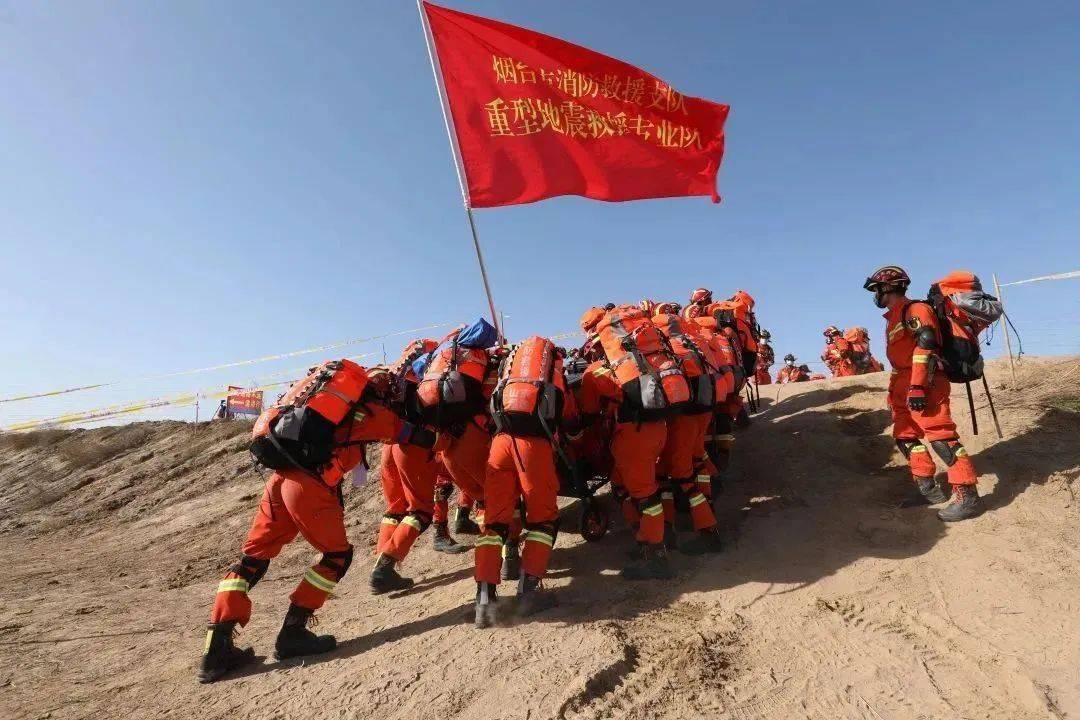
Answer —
832 603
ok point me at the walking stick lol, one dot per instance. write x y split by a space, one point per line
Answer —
971 406
997 425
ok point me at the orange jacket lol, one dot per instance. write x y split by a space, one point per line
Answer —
766 357
790 374
901 325
837 356
599 394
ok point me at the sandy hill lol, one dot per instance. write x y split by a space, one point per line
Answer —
831 602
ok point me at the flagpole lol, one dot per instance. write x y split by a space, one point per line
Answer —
459 166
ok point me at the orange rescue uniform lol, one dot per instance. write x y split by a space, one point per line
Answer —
919 367
295 502
635 448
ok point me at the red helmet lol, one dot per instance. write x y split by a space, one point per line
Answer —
667 308
831 331
701 296
887 279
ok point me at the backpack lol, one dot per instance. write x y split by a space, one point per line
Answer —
725 344
859 340
737 317
653 384
451 389
528 399
699 361
297 432
963 311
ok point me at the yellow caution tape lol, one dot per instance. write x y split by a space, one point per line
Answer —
110 411
223 366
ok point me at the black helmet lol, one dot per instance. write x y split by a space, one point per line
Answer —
788 357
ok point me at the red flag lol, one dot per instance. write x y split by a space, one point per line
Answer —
537 117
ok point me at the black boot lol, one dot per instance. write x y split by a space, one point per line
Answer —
930 490
463 524
652 564
671 538
295 639
929 493
220 655
965 504
385 578
511 562
487 599
532 597
444 543
704 542
742 420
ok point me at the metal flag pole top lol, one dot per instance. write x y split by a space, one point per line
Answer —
448 120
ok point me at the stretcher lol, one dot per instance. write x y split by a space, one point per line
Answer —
582 484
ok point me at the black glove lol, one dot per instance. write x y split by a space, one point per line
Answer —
916 398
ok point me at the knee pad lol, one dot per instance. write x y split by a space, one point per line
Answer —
250 568
905 446
947 450
339 562
653 500
423 518
689 489
548 528
500 529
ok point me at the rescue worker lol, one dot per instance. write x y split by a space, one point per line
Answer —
678 464
464 449
790 372
407 475
531 407
720 438
765 360
736 317
635 449
862 359
837 354
297 502
919 396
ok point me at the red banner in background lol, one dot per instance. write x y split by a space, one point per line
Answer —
537 117
243 402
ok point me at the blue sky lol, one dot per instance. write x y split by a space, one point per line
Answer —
188 183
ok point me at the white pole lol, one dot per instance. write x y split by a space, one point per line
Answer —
459 166
1005 325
